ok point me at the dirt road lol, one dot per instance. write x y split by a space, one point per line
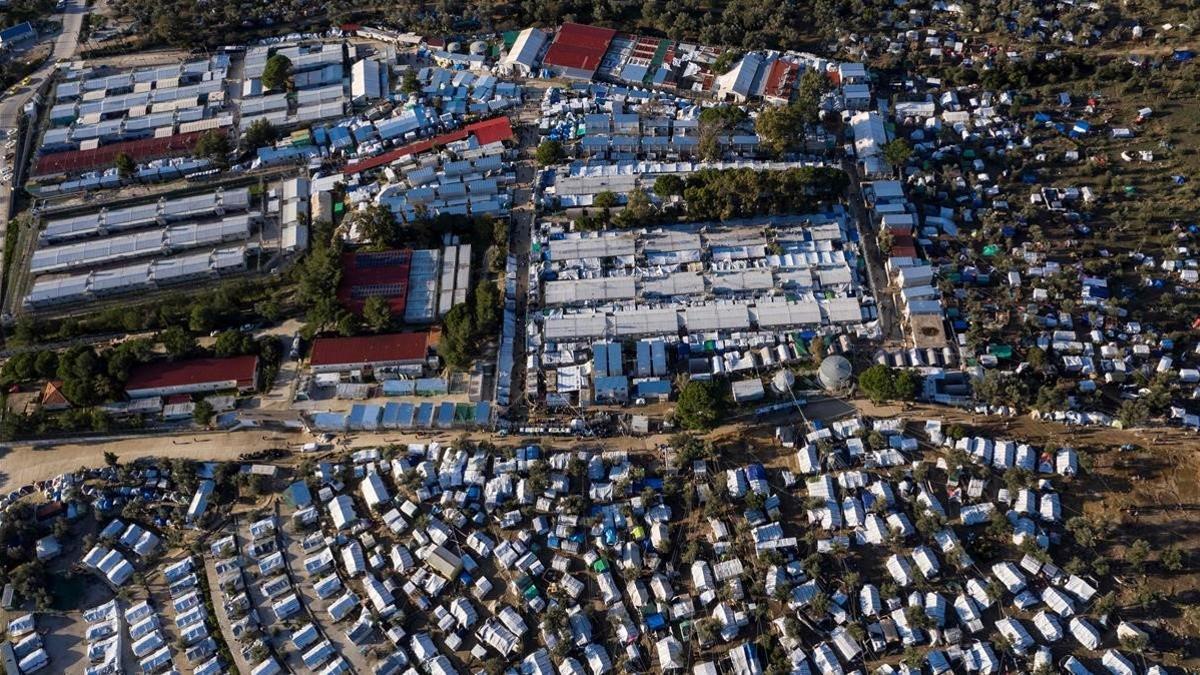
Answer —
23 464
1041 432
889 317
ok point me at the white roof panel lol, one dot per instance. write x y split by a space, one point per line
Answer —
773 314
602 289
725 316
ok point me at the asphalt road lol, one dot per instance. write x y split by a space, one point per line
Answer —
65 46
889 316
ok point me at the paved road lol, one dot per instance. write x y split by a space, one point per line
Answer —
65 46
889 317
524 219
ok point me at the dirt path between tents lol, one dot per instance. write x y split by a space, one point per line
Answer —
24 463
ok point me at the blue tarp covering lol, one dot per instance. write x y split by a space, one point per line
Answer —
756 472
655 388
445 415
298 495
425 415
365 416
483 413
328 421
391 416
17 33
269 155
399 387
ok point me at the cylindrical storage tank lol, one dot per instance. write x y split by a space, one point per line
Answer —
479 48
834 373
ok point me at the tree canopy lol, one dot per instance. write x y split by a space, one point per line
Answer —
638 209
605 199
125 165
715 122
318 276
725 61
213 145
881 384
701 405
261 133
781 128
468 324
897 153
177 341
998 388
277 72
549 152
876 383
203 413
409 83
377 224
488 306
233 343
722 194
458 330
668 185
377 314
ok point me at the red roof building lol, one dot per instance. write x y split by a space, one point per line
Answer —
393 350
79 161
167 378
781 80
903 244
53 397
494 130
577 50
381 274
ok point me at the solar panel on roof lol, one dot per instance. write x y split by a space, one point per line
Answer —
382 259
372 290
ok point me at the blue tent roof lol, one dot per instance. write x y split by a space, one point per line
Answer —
298 495
17 32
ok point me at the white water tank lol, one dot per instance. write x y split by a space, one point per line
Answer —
834 373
